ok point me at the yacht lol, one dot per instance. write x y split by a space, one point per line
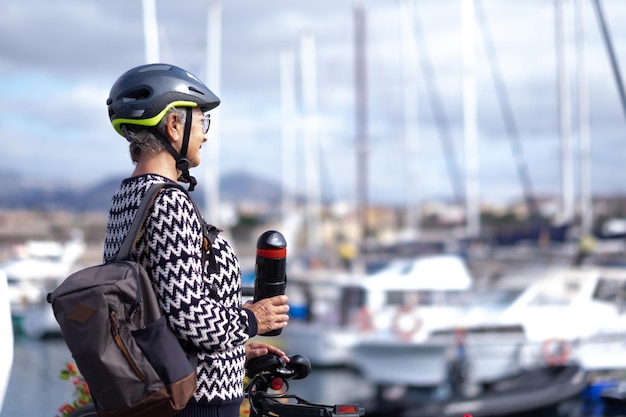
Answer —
334 314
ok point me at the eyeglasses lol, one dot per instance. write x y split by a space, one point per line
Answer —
206 123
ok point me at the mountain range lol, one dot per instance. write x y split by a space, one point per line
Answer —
21 193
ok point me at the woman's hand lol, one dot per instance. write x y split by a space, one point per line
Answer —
257 349
270 313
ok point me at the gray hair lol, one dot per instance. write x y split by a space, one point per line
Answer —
144 140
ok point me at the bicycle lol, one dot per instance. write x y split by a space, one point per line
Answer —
267 388
268 385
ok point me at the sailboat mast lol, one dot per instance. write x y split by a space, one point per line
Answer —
311 140
470 130
567 169
586 196
288 148
361 128
606 35
410 66
506 110
150 31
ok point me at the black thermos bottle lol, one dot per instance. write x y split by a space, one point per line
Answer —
271 268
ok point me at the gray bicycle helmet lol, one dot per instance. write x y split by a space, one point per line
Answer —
143 95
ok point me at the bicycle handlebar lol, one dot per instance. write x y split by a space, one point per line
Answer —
271 372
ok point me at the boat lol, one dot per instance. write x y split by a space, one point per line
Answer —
322 318
37 264
332 314
528 392
409 298
613 399
36 268
569 315
573 314
407 302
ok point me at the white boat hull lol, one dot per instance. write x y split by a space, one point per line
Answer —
323 345
418 365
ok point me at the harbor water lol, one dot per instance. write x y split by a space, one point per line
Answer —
35 389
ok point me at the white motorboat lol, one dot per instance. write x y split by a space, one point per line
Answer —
569 315
403 300
409 299
408 302
36 268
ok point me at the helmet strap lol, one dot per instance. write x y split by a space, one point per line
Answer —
182 163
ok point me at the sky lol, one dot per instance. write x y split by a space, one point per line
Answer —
59 58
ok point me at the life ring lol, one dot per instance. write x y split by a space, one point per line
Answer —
363 320
555 351
405 323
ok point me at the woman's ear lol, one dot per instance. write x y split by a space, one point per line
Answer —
173 127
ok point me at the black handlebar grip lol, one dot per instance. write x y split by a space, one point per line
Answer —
300 365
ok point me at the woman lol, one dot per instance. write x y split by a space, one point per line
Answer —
162 110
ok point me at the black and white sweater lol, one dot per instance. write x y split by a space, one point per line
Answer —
203 309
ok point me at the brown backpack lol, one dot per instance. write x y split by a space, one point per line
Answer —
112 324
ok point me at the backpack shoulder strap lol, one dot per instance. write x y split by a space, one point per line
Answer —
140 217
209 232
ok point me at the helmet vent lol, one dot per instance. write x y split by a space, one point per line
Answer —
137 94
191 88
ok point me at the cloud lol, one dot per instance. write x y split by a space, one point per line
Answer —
59 59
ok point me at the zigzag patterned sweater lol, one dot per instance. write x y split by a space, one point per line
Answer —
203 309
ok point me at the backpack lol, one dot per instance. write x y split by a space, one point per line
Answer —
113 326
